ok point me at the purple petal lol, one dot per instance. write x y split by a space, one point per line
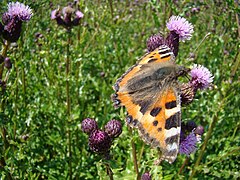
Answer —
201 77
189 144
24 13
54 14
181 26
79 14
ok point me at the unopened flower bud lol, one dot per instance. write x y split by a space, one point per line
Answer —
154 42
25 137
190 126
7 63
187 93
89 125
199 130
99 142
113 128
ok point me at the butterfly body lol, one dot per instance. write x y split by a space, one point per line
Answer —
149 91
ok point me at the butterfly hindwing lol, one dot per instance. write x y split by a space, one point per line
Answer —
149 91
160 126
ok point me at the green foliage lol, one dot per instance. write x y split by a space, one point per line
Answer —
103 47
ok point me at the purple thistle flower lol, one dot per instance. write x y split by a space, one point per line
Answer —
65 17
195 9
188 145
54 14
16 9
12 20
146 176
99 142
201 77
89 125
113 128
79 14
181 27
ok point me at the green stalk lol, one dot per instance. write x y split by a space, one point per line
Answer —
183 165
109 171
3 129
134 154
111 7
69 104
4 54
141 154
209 133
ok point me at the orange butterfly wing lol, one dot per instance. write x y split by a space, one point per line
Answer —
149 91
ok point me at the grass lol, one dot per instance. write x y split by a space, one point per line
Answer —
43 139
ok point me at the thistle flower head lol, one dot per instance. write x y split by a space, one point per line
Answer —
199 130
79 14
201 77
189 137
12 20
187 93
188 145
99 142
113 128
146 176
154 42
54 13
68 17
181 27
19 10
89 125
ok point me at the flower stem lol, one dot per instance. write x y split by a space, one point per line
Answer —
109 171
69 104
212 125
4 54
183 165
3 129
141 154
134 154
111 7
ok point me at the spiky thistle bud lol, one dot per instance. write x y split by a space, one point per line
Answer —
89 125
113 128
187 93
99 142
7 63
154 42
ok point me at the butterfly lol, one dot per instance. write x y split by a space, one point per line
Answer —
150 92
